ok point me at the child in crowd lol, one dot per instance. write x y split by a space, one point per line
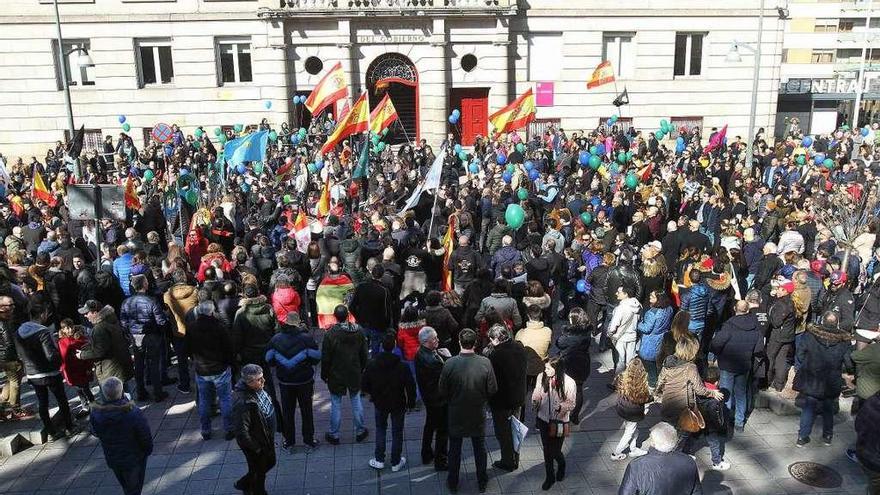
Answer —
632 395
717 417
76 372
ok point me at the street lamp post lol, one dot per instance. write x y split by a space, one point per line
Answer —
858 103
734 56
83 60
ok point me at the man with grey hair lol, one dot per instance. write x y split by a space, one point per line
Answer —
429 365
124 434
508 358
254 420
664 470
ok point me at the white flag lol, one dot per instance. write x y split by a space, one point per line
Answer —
4 175
431 182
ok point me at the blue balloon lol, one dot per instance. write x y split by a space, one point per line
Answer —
529 165
534 174
581 286
865 131
319 164
808 140
267 104
456 113
184 172
584 158
474 168
457 148
601 149
609 123
819 157
679 140
452 120
122 119
245 187
507 177
241 169
501 159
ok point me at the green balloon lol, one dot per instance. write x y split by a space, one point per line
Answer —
258 168
522 193
218 131
621 157
594 150
287 199
595 162
384 131
148 175
311 168
829 163
197 144
586 218
375 140
462 155
511 168
192 197
238 127
514 216
629 156
126 127
800 159
380 147
222 139
632 181
664 125
199 133
520 147
273 136
302 132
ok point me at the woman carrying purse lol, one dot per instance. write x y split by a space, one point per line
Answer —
554 398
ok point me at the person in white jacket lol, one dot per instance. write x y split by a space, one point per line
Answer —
622 329
554 398
790 240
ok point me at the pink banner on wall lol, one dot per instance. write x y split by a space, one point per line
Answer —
544 94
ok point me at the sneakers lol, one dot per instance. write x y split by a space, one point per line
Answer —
826 439
400 465
721 466
618 456
802 441
739 428
376 464
851 455
312 444
360 437
330 439
637 452
504 467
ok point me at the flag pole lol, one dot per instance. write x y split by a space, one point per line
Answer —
405 135
434 207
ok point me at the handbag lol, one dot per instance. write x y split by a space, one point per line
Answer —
555 428
691 420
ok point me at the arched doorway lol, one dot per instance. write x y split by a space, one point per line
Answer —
395 75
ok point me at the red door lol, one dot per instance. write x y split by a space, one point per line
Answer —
474 106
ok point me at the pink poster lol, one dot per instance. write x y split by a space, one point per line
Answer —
544 96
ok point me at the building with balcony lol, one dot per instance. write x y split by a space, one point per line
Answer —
824 45
216 63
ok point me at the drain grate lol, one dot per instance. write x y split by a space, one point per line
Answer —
814 474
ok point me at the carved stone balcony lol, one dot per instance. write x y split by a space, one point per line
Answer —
289 8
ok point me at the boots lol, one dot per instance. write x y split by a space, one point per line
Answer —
551 476
560 470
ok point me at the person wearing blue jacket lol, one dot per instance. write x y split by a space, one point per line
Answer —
696 301
294 353
655 323
124 434
122 268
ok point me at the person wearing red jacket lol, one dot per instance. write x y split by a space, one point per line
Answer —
408 338
75 371
285 299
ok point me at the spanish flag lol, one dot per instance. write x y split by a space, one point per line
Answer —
131 198
603 74
516 115
40 191
330 88
448 246
324 200
383 115
357 120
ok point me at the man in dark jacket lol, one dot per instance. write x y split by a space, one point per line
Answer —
108 345
371 305
212 352
840 300
145 319
254 420
441 320
9 363
464 263
780 345
767 268
508 358
389 384
294 353
868 441
735 347
664 470
60 285
86 286
124 434
343 359
429 365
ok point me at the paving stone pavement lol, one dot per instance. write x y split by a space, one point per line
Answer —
182 463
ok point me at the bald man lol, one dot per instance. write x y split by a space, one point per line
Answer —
736 347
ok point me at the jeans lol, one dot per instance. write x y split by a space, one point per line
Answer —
374 340
183 375
412 370
779 354
148 359
622 353
436 424
131 478
479 446
258 463
630 437
357 409
396 434
504 434
209 385
653 372
739 398
552 447
813 406
42 387
291 395
716 442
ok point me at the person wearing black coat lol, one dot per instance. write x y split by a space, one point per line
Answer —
441 320
371 305
768 267
574 351
86 285
822 352
60 285
508 358
780 345
868 441
389 383
254 420
429 365
736 346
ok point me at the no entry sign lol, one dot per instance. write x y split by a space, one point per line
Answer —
161 133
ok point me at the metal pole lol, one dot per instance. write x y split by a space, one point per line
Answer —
754 105
66 86
98 210
858 102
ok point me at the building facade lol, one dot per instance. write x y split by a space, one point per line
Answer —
824 45
217 63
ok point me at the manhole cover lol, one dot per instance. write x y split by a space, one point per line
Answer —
813 474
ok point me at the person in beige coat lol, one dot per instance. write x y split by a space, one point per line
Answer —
535 337
553 398
181 298
678 371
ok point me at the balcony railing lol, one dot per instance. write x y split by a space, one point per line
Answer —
417 7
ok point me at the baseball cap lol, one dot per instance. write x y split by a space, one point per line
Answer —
788 287
90 306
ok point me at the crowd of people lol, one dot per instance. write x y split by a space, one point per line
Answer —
709 275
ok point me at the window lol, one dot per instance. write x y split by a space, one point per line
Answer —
92 139
545 56
822 57
469 62
538 127
688 54
314 65
845 26
689 123
154 62
618 49
234 61
826 26
76 75
623 123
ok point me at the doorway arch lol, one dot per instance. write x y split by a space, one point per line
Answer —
395 75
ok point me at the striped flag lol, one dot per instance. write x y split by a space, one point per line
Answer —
324 201
516 115
603 74
448 246
301 232
330 88
357 120
332 291
383 115
132 202
40 191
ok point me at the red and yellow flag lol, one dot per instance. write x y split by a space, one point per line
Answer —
448 246
131 198
383 115
330 88
40 191
603 74
324 200
355 121
516 115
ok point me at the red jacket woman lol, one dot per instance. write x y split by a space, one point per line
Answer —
76 372
408 333
285 300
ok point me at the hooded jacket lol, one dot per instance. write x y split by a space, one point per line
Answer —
509 364
624 321
294 353
867 433
285 300
574 350
181 298
252 329
737 343
408 338
503 305
208 340
653 326
622 275
371 304
124 433
535 337
672 386
38 351
389 383
429 365
343 358
108 348
61 287
821 353
141 314
783 320
697 301
507 256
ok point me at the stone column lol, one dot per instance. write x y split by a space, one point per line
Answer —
433 86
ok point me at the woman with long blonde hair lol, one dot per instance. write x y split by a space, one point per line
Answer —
632 395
